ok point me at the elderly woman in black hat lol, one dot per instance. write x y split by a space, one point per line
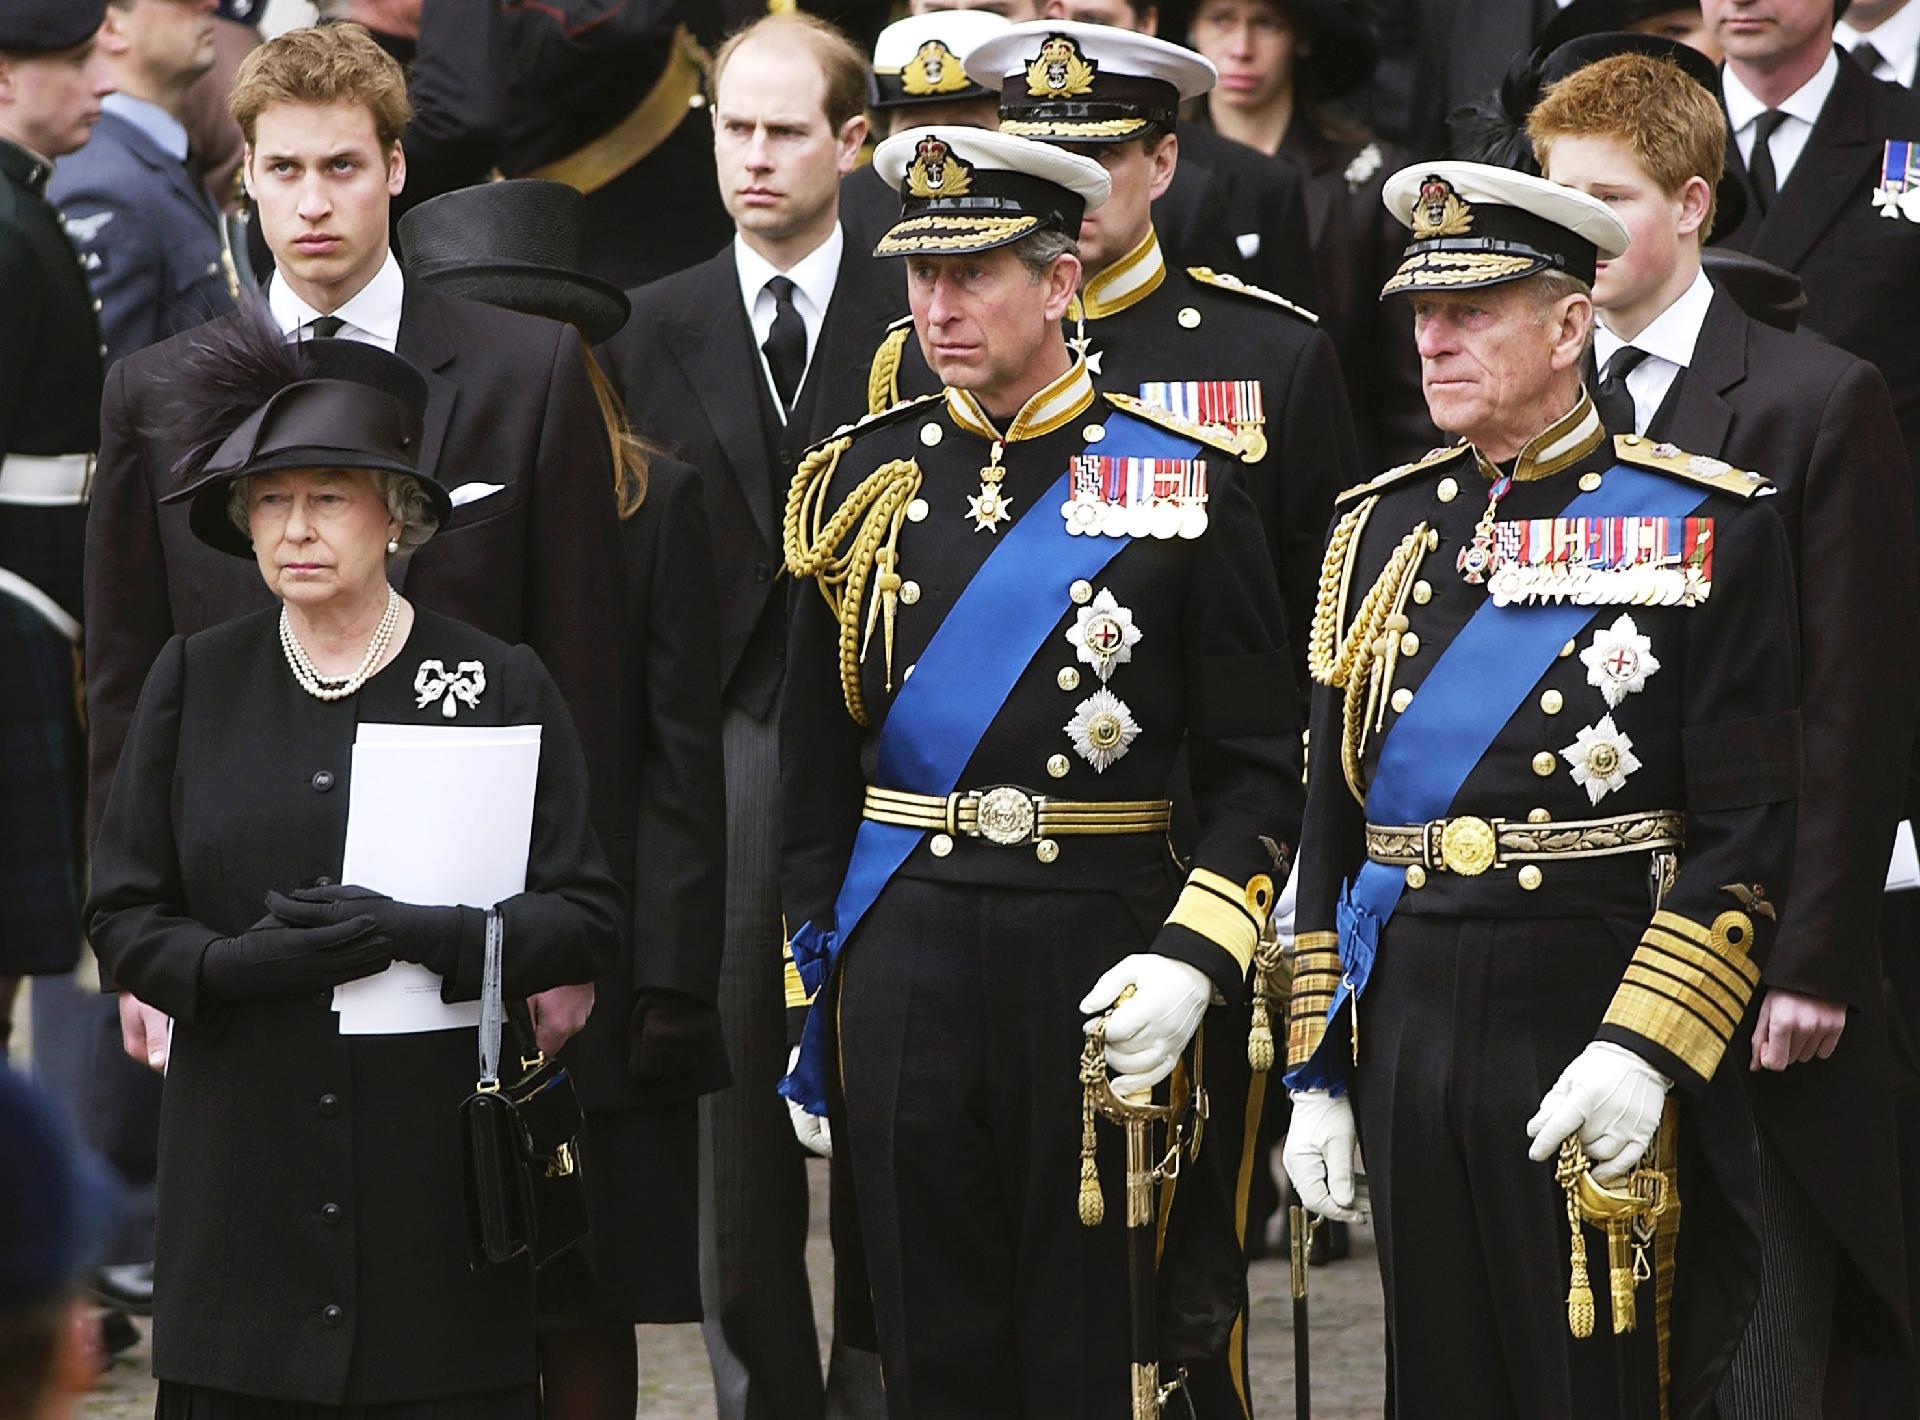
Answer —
653 1044
1282 63
312 1240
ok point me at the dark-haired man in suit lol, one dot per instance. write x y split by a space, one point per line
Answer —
737 365
1883 38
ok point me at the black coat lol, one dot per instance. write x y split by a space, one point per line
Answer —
1224 193
687 369
50 353
311 1242
1819 423
1858 267
508 403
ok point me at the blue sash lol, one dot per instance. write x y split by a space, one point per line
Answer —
1479 681
986 642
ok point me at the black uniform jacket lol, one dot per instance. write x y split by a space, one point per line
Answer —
1820 424
1211 670
538 561
1226 197
1858 266
1141 327
691 378
311 1242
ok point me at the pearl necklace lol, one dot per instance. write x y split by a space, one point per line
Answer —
336 687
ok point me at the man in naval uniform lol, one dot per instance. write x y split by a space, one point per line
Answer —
1556 678
1198 343
51 84
1015 600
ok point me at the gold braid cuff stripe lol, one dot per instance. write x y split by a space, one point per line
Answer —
1316 976
796 993
1071 128
1215 908
1432 268
1685 990
924 233
1471 846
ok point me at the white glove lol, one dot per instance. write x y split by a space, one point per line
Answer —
1147 1031
1283 905
1613 1098
811 1130
1319 1153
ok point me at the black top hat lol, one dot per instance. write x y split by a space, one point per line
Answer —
41 26
249 402
514 244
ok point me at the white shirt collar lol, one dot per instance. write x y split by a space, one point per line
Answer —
814 276
1804 103
1898 40
1671 335
371 314
159 125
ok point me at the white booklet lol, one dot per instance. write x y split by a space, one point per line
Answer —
440 815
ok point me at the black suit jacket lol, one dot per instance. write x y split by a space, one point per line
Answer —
537 562
1819 423
1224 191
1858 267
686 365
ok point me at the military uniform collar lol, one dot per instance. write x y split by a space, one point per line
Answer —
25 167
1127 282
1560 445
1063 400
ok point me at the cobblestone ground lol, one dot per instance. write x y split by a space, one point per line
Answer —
674 1383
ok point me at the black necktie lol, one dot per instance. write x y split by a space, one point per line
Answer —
1760 165
1612 398
1867 57
324 327
786 347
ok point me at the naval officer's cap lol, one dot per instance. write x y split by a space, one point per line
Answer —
969 190
922 59
1078 83
1477 225
43 26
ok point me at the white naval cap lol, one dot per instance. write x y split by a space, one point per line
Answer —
1082 83
971 189
922 59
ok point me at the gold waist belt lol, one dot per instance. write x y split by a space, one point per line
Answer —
1470 846
1007 814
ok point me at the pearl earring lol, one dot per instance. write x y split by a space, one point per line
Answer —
393 545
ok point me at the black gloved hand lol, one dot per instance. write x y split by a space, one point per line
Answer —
430 936
269 959
674 1042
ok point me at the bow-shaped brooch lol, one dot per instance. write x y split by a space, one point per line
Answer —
431 682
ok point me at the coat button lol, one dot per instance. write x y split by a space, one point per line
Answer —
329 1105
1544 764
332 1315
331 1213
322 780
323 881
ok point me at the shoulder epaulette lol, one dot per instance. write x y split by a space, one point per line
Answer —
1432 458
883 374
1225 281
877 420
1712 473
1214 436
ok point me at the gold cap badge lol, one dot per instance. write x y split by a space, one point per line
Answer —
934 69
1060 71
1439 211
936 172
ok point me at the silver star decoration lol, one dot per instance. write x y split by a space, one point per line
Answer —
1102 729
988 508
1619 661
1601 758
1103 635
1082 345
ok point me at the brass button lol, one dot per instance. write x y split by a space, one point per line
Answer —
1447 490
1409 645
931 434
917 511
1058 766
1046 850
1539 816
1416 876
1566 650
909 592
1081 592
1188 317
1068 679
1629 439
1422 593
1552 701
1544 764
1094 433
1589 482
1402 698
1529 877
940 845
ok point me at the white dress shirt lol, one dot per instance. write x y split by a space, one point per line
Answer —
813 277
371 315
1802 108
1897 40
1668 342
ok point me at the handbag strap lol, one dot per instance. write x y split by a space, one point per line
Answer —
492 1008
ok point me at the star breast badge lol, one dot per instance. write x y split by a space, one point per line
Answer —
1601 758
1103 635
1619 661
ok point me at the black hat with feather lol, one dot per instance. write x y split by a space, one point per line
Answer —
245 401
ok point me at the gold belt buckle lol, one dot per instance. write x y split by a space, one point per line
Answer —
1006 815
1468 846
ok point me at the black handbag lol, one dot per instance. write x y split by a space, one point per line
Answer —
526 1192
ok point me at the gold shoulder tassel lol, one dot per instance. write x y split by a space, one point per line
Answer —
883 374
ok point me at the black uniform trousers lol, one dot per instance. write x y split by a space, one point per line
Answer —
959 1043
1465 1024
